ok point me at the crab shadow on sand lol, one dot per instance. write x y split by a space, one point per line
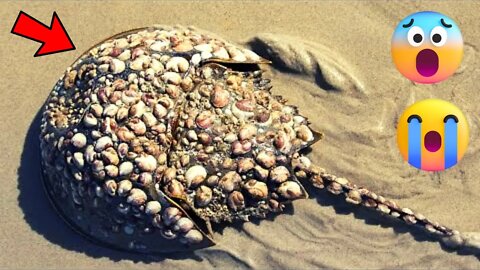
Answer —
43 219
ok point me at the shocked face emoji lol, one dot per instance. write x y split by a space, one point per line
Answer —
432 135
427 47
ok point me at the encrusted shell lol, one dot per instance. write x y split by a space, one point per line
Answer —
153 125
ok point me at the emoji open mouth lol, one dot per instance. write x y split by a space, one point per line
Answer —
427 62
432 141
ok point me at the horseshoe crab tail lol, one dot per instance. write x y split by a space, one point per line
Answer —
361 196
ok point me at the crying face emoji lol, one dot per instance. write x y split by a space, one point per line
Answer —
432 135
427 47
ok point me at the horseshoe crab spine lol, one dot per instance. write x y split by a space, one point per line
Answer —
361 196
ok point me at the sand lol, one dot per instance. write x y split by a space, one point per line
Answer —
358 118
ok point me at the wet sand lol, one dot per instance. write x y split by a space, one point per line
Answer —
357 112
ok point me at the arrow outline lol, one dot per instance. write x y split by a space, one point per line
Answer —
49 27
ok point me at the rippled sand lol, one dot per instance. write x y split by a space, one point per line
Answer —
343 79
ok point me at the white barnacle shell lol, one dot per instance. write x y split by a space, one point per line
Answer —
117 66
171 215
111 110
138 109
221 53
196 58
140 63
121 43
78 160
203 196
124 187
279 174
304 133
205 47
79 140
177 64
146 163
290 190
89 120
184 224
236 54
124 56
251 56
206 55
125 168
172 77
195 175
160 45
103 143
241 111
137 197
153 207
156 65
193 236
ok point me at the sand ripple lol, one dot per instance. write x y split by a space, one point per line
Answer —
327 68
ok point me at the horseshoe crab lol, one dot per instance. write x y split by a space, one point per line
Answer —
156 133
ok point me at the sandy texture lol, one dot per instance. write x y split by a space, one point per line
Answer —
358 116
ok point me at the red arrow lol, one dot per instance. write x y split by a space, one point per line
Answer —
54 39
